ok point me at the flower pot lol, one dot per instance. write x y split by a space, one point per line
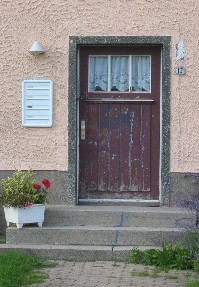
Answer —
19 216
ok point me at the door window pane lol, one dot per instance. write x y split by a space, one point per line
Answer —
141 73
120 73
98 74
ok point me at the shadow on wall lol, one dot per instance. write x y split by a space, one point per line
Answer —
2 222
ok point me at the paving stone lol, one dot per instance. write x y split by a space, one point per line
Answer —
109 274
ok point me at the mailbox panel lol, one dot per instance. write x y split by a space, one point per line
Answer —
37 102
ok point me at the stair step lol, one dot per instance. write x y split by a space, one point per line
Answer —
113 216
76 252
91 235
88 233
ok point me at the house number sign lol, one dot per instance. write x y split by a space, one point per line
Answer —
37 103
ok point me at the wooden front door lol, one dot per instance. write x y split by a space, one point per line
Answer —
119 123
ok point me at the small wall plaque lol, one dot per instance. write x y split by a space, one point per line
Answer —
180 71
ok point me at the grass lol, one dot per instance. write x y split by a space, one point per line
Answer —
19 269
141 273
171 277
196 282
192 284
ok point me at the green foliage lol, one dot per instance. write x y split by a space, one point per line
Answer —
18 191
170 257
16 269
192 284
196 266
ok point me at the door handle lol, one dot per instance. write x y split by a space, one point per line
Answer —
83 130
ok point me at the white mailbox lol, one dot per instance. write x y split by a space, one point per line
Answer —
37 101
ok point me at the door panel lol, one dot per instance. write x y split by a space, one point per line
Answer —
119 157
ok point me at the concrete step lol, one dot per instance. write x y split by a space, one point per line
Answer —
113 216
76 252
92 235
88 233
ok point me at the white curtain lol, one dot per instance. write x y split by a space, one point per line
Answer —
119 71
98 73
141 73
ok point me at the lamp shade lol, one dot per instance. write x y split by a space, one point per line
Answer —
36 48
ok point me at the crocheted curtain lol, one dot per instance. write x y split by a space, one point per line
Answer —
119 73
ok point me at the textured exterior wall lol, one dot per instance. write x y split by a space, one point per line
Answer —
51 22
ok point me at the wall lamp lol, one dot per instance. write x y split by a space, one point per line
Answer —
36 48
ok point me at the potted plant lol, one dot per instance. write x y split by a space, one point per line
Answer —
23 199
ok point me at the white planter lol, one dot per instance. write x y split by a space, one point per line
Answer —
33 214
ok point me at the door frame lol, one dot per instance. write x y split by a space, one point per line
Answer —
75 42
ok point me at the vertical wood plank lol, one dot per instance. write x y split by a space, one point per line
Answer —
124 139
114 148
145 148
134 148
103 148
92 142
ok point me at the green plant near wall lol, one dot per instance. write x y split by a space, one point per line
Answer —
170 257
20 190
17 189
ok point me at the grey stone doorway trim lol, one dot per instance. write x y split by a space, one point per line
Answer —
74 43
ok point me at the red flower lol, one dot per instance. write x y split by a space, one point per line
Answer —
36 186
46 183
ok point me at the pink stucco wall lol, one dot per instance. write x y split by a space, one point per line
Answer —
51 22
